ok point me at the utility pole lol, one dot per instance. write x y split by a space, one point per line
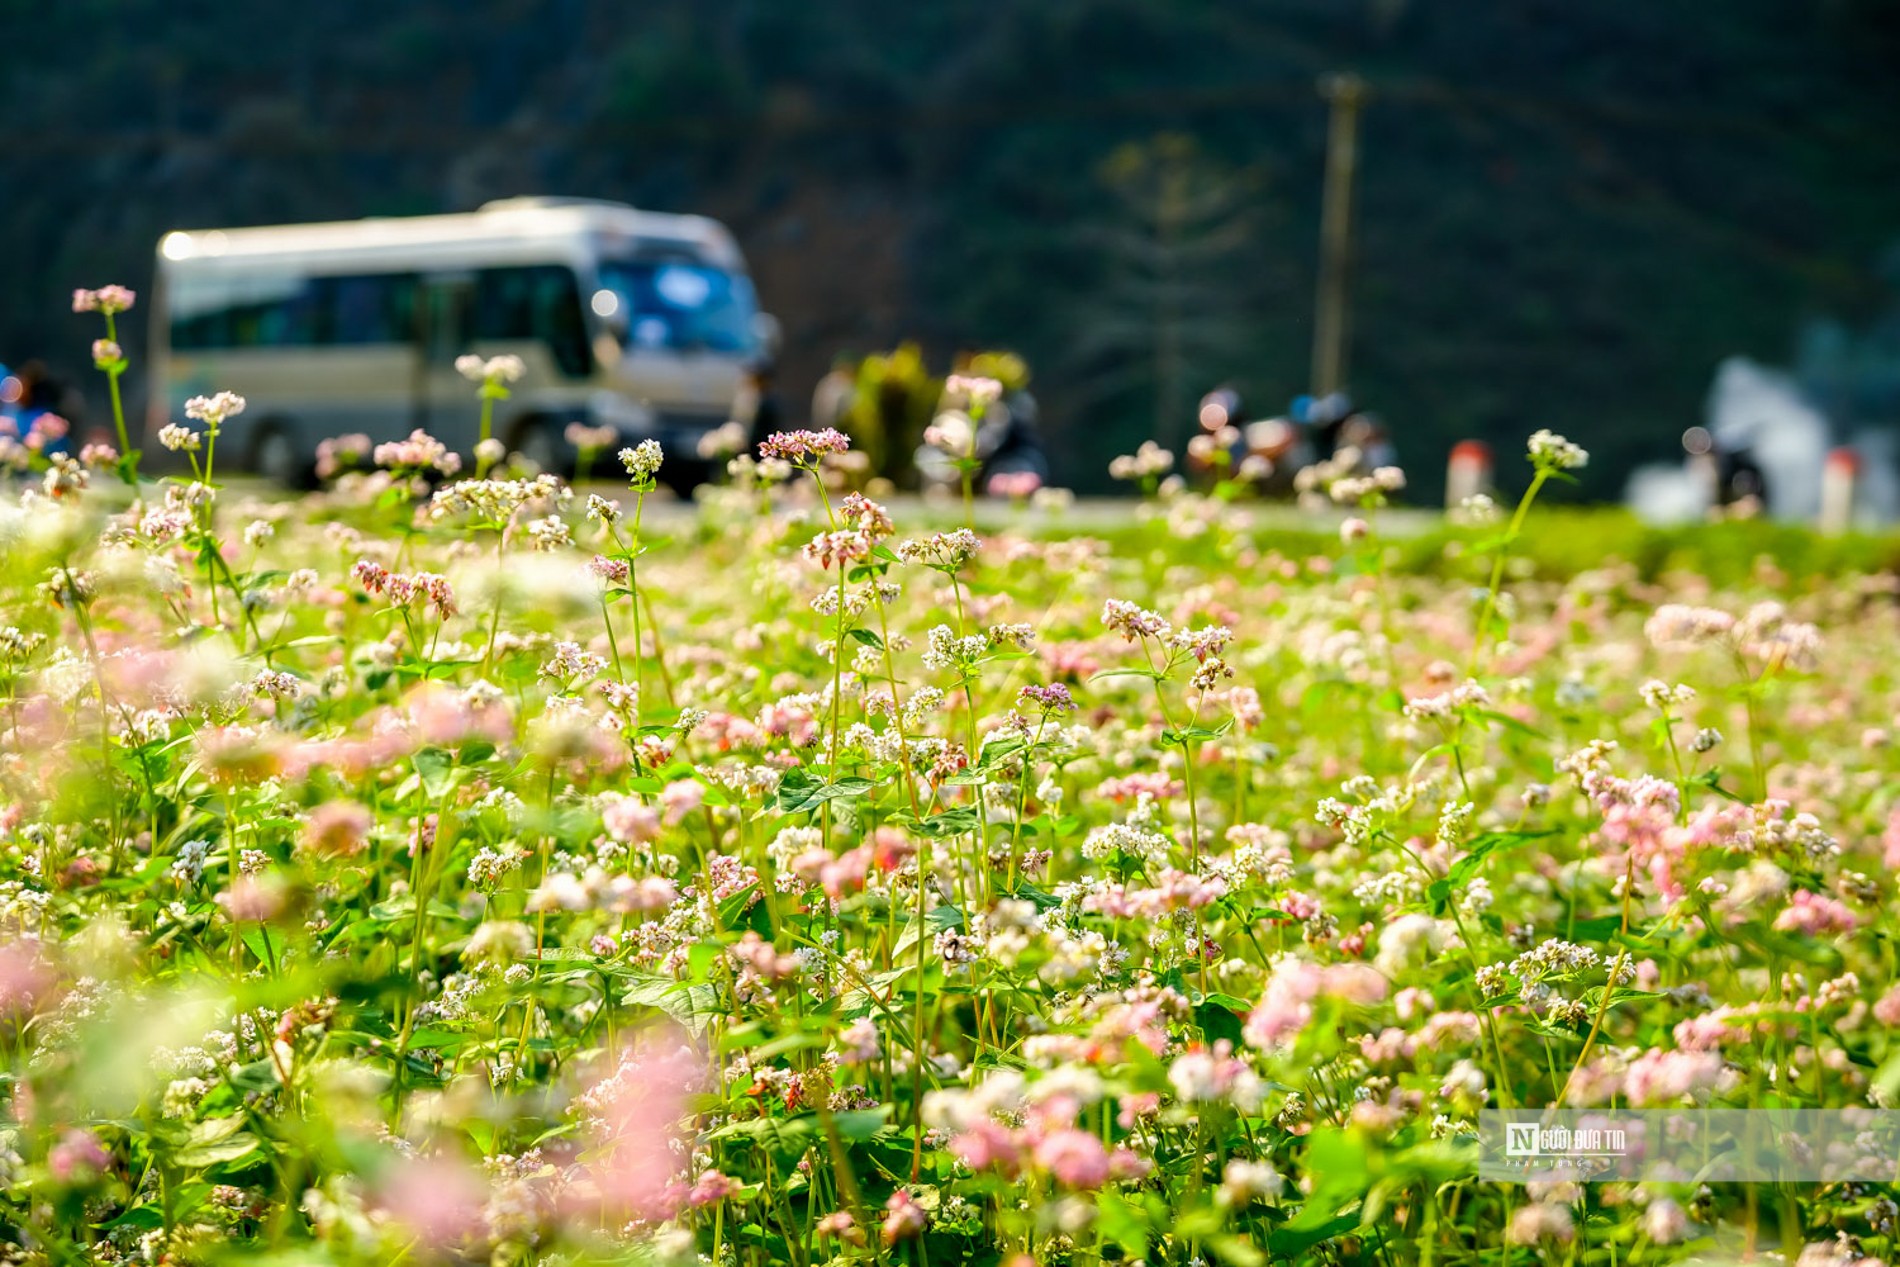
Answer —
1171 207
1345 94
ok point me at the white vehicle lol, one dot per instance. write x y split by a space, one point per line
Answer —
632 320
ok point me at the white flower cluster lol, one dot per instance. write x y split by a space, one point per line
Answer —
1763 634
947 651
643 460
1660 695
495 371
178 439
1555 957
1550 451
213 410
1147 462
495 501
1353 490
1440 707
1341 479
1150 847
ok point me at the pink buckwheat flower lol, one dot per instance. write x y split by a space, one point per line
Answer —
710 1188
680 798
1887 1008
337 829
903 1217
803 448
25 978
1075 1158
438 1199
77 1158
1661 1078
110 300
1815 915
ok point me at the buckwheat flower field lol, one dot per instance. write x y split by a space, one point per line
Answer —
446 867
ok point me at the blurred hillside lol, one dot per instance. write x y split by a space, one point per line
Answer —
1568 212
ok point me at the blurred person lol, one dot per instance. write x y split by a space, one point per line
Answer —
43 401
1004 443
10 389
1366 433
1740 477
1221 407
836 393
1325 418
759 403
1218 445
1275 449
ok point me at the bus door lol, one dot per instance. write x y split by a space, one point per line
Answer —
447 405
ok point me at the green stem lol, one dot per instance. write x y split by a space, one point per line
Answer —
1481 633
128 461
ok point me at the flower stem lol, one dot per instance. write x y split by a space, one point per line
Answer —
1481 633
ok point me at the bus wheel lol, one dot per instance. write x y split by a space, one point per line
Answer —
537 442
278 459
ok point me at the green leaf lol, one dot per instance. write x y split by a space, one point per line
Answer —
1030 893
799 791
1195 734
951 822
1597 928
739 909
1711 779
1150 674
866 637
1343 1166
936 920
259 1075
1483 846
143 1218
1219 1015
261 944
1510 723
443 1040
436 768
856 1125
784 1139
1237 1250
1149 1074
1780 945
995 749
1285 1242
693 1006
198 1156
213 1130
1118 1220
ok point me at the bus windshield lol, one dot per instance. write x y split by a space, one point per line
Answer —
680 305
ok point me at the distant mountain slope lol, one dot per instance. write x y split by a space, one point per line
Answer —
1568 212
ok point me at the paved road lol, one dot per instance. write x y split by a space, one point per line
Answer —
1085 514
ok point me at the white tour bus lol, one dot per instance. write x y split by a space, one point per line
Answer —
639 321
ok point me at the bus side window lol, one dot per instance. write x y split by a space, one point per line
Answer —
374 309
241 311
200 314
540 303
